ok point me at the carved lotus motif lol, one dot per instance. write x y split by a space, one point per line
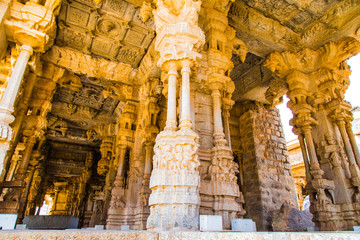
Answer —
108 27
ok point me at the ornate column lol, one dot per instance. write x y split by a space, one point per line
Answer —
219 135
353 141
354 169
32 31
84 178
116 213
148 157
317 80
8 101
220 38
304 155
174 201
16 125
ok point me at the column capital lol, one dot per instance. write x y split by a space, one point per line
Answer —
36 26
307 60
27 48
215 92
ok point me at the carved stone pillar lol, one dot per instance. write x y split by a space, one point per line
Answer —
354 169
84 178
353 142
174 201
118 213
185 117
8 101
106 154
220 39
226 116
218 126
148 157
171 122
305 156
317 81
21 112
33 28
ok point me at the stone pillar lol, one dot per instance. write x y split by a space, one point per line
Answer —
226 116
119 180
185 117
148 157
171 122
21 172
218 126
305 157
220 38
21 112
174 201
321 114
118 212
354 169
353 142
8 101
268 181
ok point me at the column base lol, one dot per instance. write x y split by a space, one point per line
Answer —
174 201
228 199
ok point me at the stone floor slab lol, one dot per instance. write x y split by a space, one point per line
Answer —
147 235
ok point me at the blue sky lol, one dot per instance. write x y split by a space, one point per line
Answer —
352 95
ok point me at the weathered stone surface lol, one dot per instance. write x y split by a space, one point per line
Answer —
129 235
288 219
267 181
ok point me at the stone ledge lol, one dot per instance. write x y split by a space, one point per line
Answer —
138 235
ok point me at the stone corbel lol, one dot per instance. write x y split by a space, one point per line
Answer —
277 89
33 25
240 49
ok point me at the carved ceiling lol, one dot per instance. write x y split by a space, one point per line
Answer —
112 30
66 160
267 25
78 107
295 14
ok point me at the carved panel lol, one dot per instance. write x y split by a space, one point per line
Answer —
108 30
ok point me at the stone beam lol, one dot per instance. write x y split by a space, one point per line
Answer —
339 21
307 60
262 35
81 63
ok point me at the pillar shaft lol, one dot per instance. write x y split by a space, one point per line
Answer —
185 120
218 125
305 157
227 127
148 155
8 101
347 145
353 142
171 122
120 172
314 163
12 89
